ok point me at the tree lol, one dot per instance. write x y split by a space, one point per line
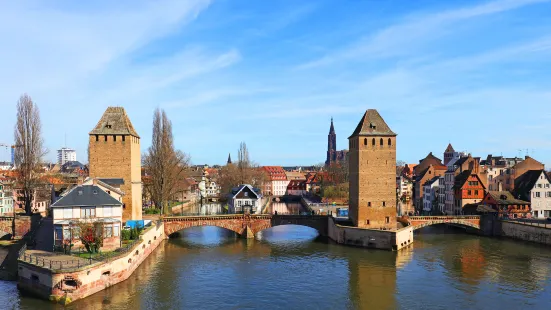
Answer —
91 235
165 165
244 171
29 148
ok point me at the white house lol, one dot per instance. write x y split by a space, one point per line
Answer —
6 198
87 203
430 195
244 198
535 186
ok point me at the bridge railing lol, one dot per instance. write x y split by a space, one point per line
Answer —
445 217
530 223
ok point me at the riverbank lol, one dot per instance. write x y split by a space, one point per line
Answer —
61 280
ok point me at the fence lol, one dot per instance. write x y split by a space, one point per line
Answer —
534 223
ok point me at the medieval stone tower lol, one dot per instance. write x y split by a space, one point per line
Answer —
372 170
114 153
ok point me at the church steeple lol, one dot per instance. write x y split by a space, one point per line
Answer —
332 128
331 145
229 159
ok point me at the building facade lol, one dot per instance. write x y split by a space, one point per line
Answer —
114 152
506 205
66 154
430 196
535 186
277 181
468 189
372 173
244 199
6 197
87 204
334 156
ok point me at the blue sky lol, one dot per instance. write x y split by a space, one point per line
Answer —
273 73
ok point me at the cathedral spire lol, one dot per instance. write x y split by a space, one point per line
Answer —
332 128
229 159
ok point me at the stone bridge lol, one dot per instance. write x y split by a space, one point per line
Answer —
245 225
418 222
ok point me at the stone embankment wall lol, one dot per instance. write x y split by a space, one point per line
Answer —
370 238
16 228
524 231
70 285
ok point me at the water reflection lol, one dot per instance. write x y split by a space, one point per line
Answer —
291 268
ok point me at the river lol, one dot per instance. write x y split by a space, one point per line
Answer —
289 268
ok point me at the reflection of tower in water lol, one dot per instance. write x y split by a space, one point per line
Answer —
373 278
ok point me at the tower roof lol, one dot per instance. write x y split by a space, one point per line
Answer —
372 124
449 149
229 158
332 128
114 122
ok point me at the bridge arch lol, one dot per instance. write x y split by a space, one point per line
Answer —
175 225
418 222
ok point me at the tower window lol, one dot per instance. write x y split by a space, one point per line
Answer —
366 222
369 204
389 142
381 142
373 142
123 138
115 138
104 137
365 141
384 204
387 219
97 138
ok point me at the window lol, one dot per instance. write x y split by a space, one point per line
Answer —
537 194
108 231
246 194
369 204
107 211
66 233
476 192
88 212
389 142
387 220
381 142
123 138
539 186
366 222
469 192
548 194
373 142
67 213
384 204
115 138
97 138
365 141
104 137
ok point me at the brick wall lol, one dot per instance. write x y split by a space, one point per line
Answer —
119 159
22 226
372 170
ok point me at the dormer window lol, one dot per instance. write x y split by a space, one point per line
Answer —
80 192
108 126
372 126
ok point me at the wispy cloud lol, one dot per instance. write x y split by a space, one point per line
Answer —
413 32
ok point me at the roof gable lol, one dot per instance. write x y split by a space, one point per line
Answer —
449 149
526 182
114 121
372 124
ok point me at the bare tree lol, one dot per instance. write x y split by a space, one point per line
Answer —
29 148
244 171
165 165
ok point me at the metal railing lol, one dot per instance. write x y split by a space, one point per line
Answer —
77 261
534 223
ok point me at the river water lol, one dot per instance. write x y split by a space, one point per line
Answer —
289 268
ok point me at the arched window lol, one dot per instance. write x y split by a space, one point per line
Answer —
381 142
365 141
373 142
389 142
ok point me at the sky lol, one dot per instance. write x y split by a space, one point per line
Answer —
273 73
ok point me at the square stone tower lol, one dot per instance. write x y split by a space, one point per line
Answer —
372 173
114 153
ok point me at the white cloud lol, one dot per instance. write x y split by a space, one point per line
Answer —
405 37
